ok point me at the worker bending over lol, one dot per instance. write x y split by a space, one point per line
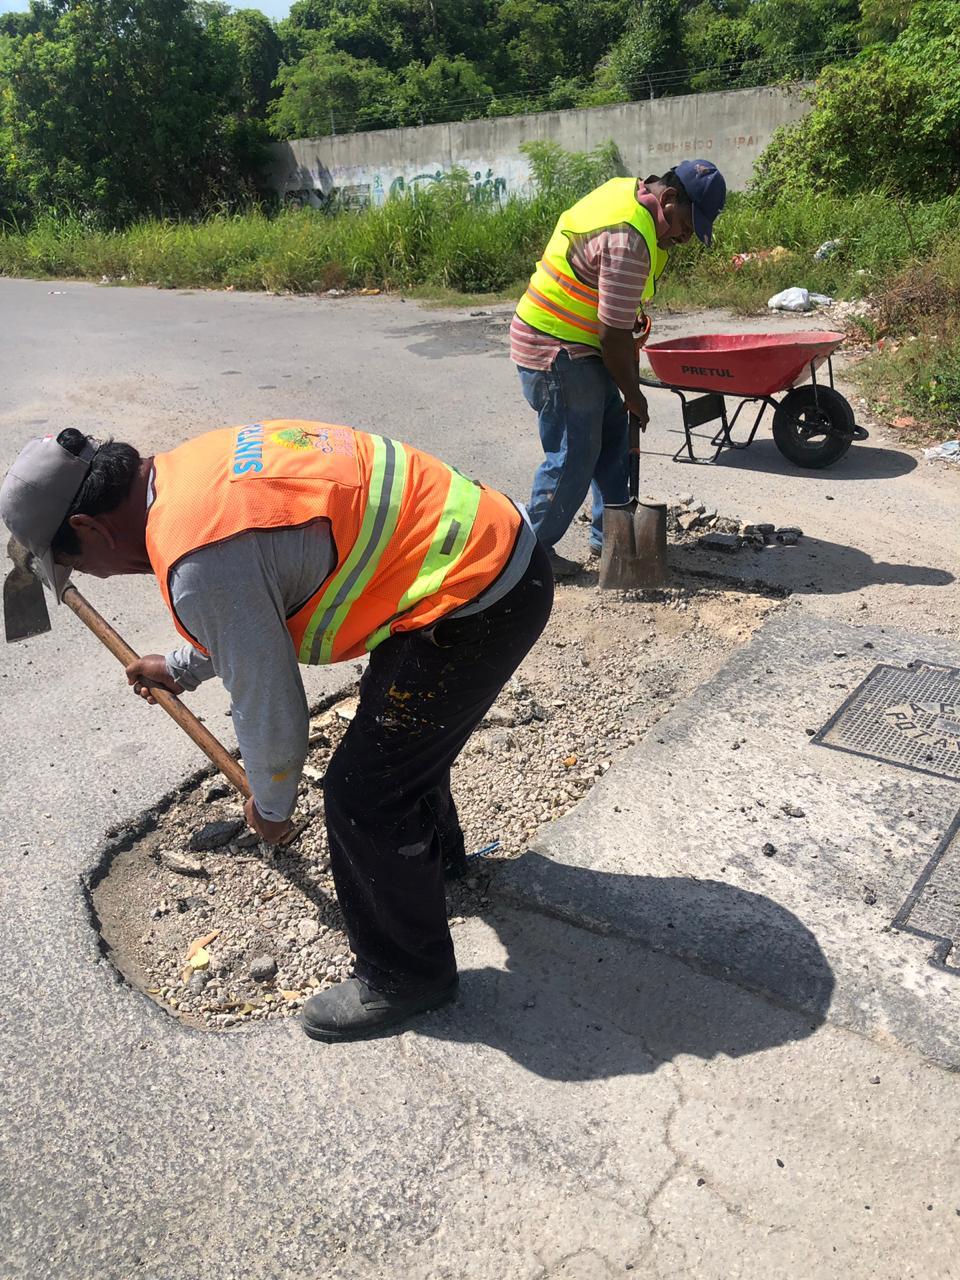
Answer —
291 542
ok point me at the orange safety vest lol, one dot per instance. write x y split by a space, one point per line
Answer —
414 539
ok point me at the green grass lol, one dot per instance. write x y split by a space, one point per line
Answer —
437 296
914 371
439 247
440 242
402 244
877 236
920 381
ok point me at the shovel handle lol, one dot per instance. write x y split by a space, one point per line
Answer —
188 722
634 458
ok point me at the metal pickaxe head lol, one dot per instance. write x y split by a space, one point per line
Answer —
24 607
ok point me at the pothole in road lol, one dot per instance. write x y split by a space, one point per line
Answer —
243 933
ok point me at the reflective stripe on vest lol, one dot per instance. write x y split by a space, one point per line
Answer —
569 285
387 477
562 313
446 549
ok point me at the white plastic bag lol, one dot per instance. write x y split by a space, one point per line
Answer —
797 299
949 451
794 299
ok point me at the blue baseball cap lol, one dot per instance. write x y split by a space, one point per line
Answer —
705 185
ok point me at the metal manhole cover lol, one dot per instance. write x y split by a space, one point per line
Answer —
933 907
904 716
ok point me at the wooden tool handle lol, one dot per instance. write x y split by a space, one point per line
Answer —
174 708
634 458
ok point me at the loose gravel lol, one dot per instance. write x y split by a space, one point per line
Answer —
223 930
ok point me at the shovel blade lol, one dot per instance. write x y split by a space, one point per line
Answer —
24 607
634 555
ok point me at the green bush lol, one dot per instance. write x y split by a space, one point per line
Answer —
434 236
917 371
889 120
877 234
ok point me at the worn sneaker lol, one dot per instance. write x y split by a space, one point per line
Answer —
561 566
353 1011
594 553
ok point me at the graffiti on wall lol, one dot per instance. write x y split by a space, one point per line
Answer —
354 171
357 188
322 192
483 188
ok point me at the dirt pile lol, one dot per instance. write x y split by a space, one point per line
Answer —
241 932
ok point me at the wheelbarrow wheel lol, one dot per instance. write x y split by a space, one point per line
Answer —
813 427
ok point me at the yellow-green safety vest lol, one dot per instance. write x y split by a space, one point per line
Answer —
556 302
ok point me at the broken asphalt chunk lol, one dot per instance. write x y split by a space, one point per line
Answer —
213 835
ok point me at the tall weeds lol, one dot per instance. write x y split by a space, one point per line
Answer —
440 238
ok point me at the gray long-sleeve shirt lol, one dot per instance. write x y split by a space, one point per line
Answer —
235 597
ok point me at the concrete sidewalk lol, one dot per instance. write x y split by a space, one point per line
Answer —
728 839
592 1104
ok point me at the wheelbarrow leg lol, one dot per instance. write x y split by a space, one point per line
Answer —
724 437
697 413
687 435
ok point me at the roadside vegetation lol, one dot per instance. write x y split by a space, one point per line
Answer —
439 239
903 257
120 109
203 83
913 374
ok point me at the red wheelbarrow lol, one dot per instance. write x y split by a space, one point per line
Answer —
813 425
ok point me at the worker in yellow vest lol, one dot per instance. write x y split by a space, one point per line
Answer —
288 542
572 337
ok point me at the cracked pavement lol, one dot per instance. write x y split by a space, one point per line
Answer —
589 1107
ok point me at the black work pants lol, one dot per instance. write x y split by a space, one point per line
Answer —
391 820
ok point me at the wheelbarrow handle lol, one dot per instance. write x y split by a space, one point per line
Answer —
188 722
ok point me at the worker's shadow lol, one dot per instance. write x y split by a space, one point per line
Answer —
813 565
666 967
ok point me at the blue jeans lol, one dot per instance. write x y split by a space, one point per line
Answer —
585 437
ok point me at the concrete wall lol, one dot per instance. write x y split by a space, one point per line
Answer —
731 129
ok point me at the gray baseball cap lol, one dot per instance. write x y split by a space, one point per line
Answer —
37 495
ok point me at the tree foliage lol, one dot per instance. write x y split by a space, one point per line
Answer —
121 107
329 91
116 108
446 88
882 20
523 55
888 119
253 46
648 55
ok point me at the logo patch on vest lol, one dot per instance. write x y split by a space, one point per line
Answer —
248 454
327 439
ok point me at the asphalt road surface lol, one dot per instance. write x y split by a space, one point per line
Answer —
589 1106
